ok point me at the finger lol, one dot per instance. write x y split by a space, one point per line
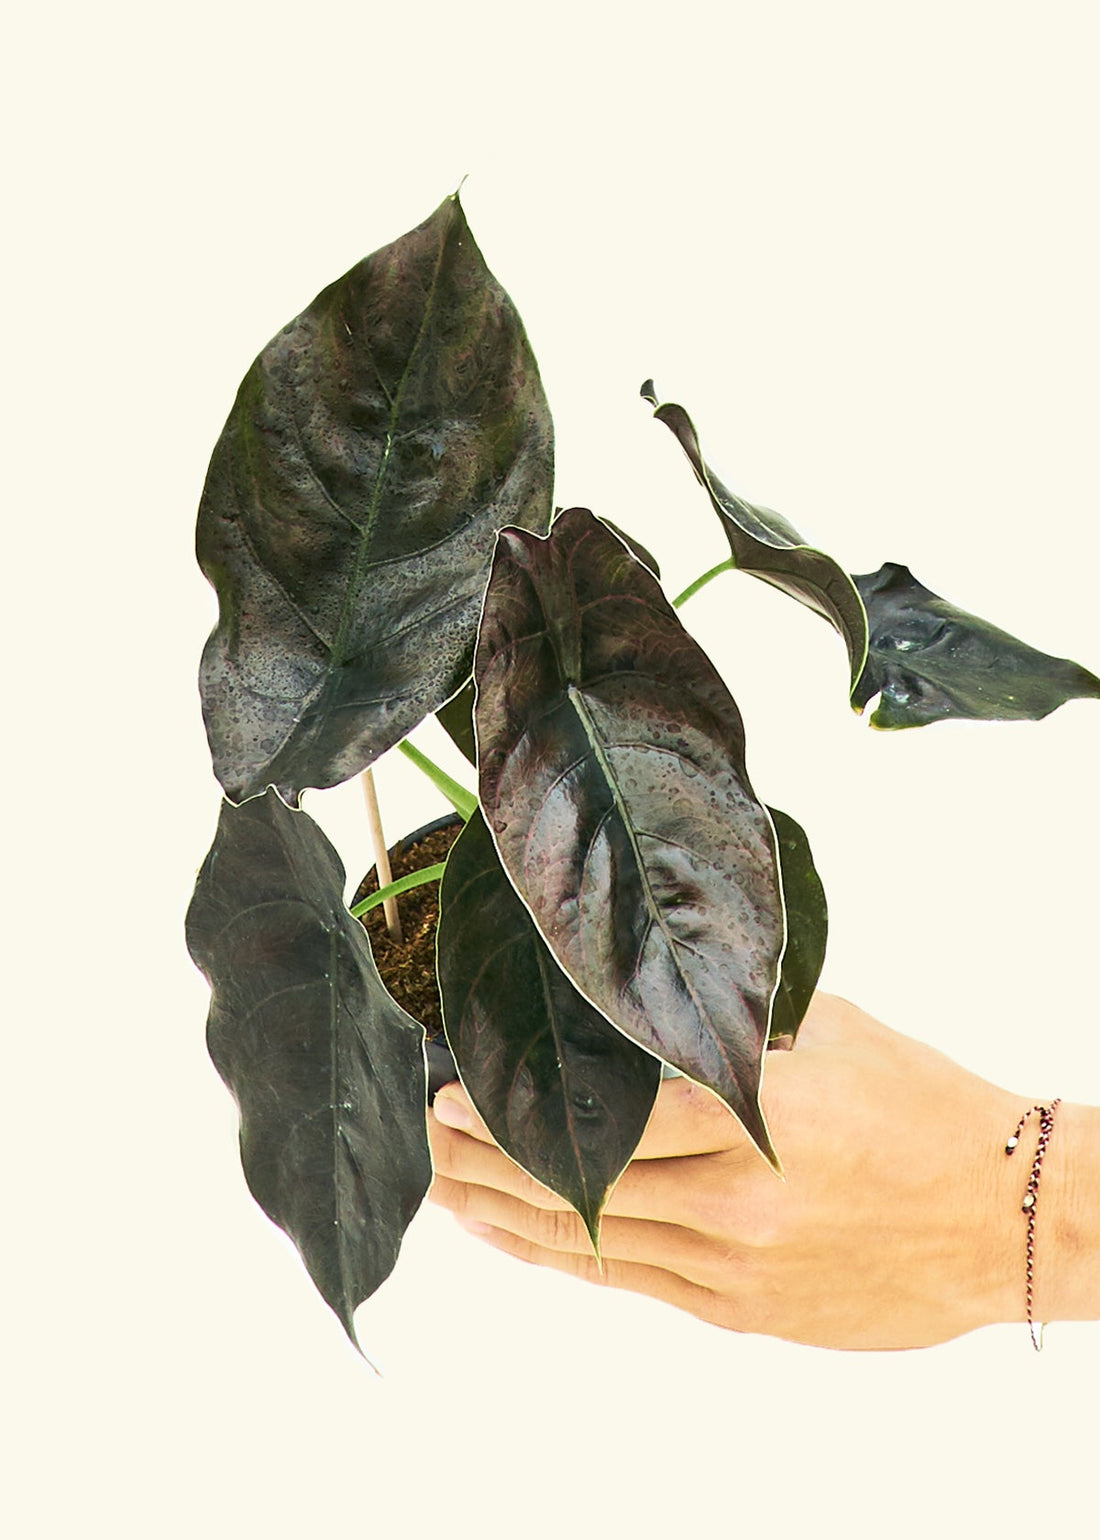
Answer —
468 1159
621 1240
669 1191
635 1277
646 1191
687 1119
453 1107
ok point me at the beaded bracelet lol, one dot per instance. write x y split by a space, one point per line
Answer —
1031 1198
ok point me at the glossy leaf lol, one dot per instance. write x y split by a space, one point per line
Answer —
327 1070
929 659
375 447
765 545
932 660
807 930
563 1092
613 778
457 716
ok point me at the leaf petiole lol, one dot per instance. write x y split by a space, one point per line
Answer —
399 885
701 582
464 802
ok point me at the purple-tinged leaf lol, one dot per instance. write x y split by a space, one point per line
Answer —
457 716
613 779
636 547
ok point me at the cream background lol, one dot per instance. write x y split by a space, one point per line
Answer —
859 242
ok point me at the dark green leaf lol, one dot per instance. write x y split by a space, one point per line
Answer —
328 1071
764 544
563 1092
375 447
807 930
457 720
932 661
613 779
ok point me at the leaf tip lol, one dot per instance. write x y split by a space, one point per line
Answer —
347 1321
592 1229
767 1149
755 1125
648 392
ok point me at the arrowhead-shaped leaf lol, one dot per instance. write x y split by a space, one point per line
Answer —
327 1070
457 716
375 447
613 779
764 544
931 661
563 1092
807 930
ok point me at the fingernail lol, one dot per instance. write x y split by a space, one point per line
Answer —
449 1110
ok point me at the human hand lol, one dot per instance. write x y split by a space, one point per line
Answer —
898 1224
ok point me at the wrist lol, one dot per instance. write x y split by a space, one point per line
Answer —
1067 1239
1002 1230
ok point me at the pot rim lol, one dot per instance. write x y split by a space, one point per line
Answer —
446 821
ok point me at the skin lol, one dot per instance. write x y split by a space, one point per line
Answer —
898 1225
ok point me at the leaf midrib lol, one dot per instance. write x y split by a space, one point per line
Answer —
656 916
591 1220
362 564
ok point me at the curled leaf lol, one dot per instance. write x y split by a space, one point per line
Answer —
931 661
764 544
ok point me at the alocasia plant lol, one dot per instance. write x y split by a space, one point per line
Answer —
620 903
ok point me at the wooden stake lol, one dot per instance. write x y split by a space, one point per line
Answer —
381 856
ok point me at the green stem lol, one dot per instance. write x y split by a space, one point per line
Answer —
464 802
701 582
400 885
